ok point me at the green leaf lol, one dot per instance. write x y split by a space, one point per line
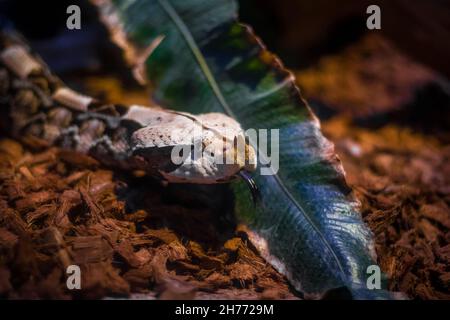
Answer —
308 226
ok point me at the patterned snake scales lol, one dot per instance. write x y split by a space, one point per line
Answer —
36 107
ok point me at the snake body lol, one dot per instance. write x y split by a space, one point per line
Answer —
37 107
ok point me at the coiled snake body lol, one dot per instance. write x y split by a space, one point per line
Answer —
36 106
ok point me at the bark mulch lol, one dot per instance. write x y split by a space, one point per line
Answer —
128 234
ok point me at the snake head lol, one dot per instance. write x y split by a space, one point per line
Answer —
204 149
211 159
183 148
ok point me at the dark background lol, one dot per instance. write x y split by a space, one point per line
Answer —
299 31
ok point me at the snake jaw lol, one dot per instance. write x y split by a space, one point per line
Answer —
256 195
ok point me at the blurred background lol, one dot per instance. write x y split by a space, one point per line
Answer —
378 71
383 97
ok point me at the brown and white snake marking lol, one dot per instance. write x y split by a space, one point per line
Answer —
35 106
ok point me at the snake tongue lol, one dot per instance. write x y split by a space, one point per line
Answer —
256 195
